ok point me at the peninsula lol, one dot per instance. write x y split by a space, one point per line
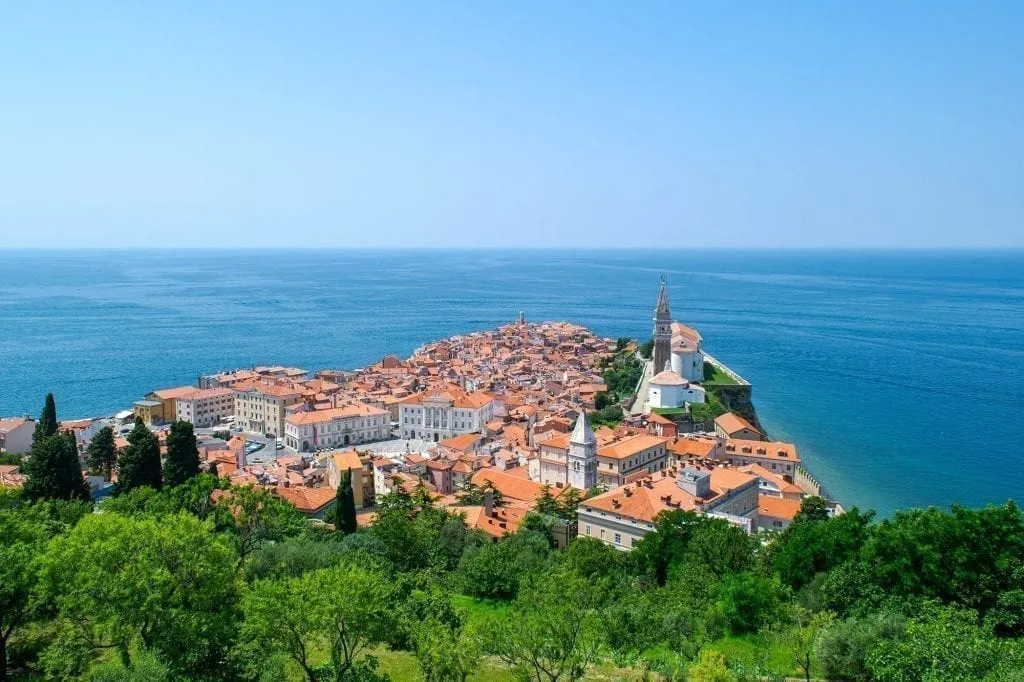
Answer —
530 502
523 409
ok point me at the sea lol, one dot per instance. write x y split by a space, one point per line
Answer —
898 374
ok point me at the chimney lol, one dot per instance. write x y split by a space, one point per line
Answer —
489 503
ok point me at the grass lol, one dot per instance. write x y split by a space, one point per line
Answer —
755 650
479 610
669 410
713 374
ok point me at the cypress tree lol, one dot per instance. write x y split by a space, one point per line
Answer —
139 463
47 424
182 461
54 472
345 506
101 454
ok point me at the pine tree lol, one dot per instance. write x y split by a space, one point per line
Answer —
54 472
345 505
546 504
47 424
139 463
182 462
101 454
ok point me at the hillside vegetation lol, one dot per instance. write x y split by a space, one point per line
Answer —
202 582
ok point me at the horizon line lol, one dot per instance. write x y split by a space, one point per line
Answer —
630 248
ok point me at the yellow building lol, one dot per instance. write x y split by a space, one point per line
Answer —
160 407
149 411
361 466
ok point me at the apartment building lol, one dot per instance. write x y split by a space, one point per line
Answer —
348 424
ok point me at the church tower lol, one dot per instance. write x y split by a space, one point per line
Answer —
582 465
662 330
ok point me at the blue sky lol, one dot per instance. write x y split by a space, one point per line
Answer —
599 124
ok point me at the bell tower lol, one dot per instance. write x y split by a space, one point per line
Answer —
662 329
582 461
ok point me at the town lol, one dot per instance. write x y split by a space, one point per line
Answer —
493 425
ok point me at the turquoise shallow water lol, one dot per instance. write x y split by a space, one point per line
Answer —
899 375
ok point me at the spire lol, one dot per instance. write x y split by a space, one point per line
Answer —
668 366
583 434
662 298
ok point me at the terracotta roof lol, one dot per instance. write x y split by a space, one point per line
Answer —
692 447
512 487
348 411
669 378
306 499
733 423
172 393
784 452
266 389
504 520
11 423
782 484
630 445
461 442
777 507
346 460
645 498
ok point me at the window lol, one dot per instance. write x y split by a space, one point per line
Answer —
586 529
618 538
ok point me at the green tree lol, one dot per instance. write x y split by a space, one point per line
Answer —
963 556
842 648
568 503
23 540
143 668
800 638
293 557
943 643
445 652
253 517
344 512
812 508
554 629
182 461
139 462
53 470
496 569
710 667
101 453
750 602
808 548
647 350
546 504
47 424
470 494
122 583
591 558
666 544
341 610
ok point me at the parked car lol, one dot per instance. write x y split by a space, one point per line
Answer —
279 446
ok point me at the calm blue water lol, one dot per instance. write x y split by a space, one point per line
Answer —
898 375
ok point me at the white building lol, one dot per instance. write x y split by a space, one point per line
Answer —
335 427
669 389
16 434
205 406
260 407
687 353
444 412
